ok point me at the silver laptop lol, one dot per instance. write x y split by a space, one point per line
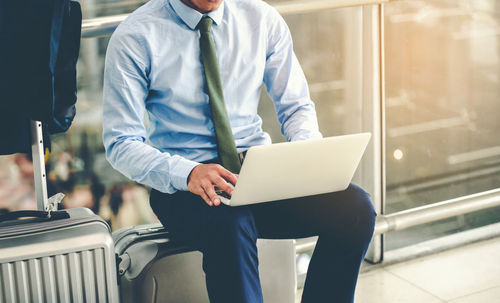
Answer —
296 169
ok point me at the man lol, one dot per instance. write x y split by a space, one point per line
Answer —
196 67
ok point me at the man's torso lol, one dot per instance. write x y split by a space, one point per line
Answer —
177 105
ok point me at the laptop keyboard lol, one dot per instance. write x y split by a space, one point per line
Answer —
225 197
222 193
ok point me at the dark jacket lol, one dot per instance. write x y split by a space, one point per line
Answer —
39 46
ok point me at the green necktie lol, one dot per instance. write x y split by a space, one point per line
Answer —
226 148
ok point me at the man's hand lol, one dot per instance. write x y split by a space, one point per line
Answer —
204 177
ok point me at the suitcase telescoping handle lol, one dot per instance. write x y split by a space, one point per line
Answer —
38 156
44 203
53 215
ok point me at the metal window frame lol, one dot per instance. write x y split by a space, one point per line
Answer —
373 114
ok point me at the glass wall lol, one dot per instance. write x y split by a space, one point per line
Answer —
327 44
442 63
442 70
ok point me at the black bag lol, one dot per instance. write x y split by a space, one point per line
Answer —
40 46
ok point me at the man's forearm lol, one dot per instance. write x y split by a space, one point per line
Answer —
149 166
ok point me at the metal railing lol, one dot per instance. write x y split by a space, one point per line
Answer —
426 214
437 211
102 26
304 7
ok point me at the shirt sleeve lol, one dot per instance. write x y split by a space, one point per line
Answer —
126 86
287 85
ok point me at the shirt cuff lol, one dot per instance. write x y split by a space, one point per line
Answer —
180 173
301 136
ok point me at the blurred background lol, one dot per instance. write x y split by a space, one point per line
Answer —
440 111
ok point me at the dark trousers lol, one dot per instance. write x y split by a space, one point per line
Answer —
227 236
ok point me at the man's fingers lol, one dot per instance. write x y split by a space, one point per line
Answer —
205 197
222 184
229 176
203 177
210 192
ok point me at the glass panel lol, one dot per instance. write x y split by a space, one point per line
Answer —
442 73
327 44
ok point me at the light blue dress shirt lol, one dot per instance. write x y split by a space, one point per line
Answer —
156 117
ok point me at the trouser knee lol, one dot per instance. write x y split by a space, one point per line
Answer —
364 212
355 216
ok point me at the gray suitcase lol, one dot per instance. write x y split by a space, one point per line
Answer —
155 268
56 256
66 258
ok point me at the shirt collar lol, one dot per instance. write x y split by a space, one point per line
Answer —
192 17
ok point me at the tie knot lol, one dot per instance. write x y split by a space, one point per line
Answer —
205 24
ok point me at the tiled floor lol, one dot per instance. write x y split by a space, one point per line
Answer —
469 274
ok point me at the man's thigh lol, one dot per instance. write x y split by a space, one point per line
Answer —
313 215
190 220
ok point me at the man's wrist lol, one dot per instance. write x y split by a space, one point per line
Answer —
189 175
180 173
